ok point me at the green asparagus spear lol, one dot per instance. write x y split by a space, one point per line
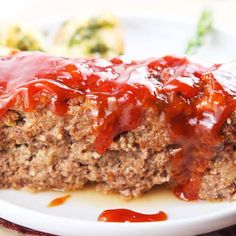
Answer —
204 27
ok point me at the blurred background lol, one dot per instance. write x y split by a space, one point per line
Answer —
202 29
27 9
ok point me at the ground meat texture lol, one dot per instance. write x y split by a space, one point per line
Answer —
42 151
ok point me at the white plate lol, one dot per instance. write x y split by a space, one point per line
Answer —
145 36
78 215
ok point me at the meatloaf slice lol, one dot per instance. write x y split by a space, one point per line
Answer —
43 150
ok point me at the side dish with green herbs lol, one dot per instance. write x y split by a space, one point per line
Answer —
17 36
95 36
88 37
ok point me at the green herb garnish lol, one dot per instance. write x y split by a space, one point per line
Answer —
204 27
89 31
100 48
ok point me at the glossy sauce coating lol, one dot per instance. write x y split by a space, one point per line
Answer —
59 201
125 215
195 101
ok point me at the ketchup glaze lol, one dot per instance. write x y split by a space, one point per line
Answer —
125 215
195 100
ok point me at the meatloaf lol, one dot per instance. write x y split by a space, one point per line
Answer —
125 126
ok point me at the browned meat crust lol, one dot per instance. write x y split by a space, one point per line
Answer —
42 151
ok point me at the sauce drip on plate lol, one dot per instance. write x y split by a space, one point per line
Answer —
125 215
195 101
59 201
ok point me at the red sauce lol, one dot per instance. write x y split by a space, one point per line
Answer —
125 215
59 201
195 100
